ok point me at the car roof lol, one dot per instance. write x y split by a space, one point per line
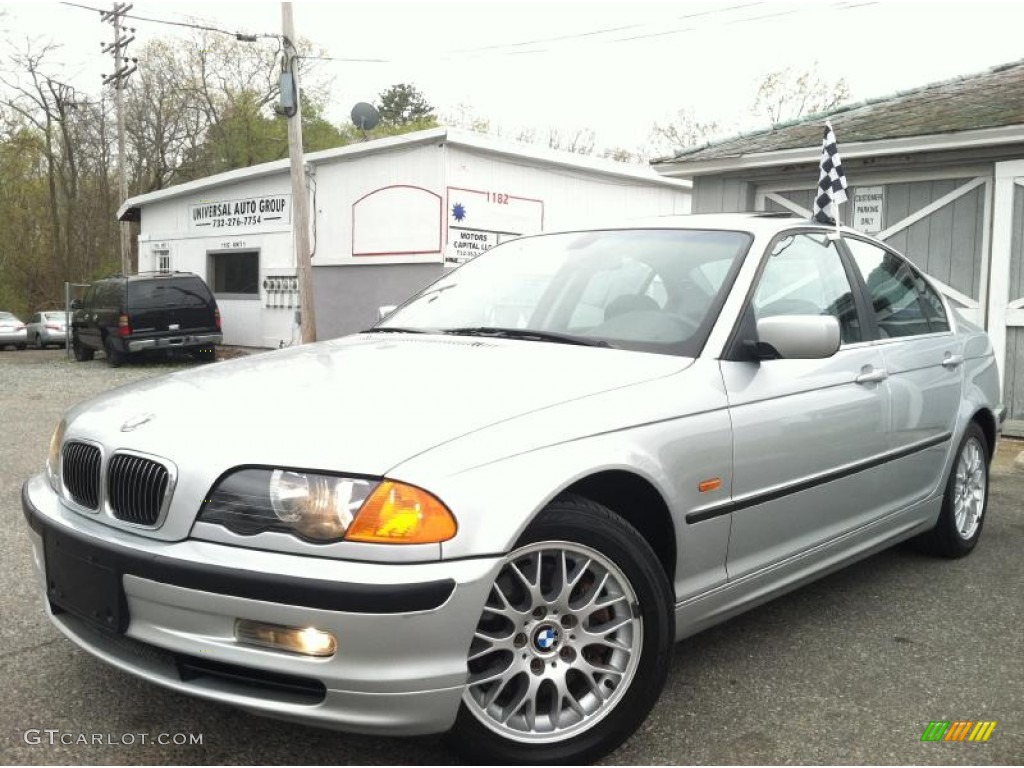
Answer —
145 276
757 223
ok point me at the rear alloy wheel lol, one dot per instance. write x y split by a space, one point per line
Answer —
963 507
573 645
115 358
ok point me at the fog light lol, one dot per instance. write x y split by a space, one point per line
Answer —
308 641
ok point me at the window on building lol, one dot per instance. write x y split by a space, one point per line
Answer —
235 274
163 261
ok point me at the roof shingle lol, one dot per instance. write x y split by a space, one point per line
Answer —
991 99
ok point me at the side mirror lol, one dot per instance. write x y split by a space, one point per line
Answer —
76 304
797 337
384 310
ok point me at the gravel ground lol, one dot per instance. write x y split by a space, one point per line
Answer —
848 670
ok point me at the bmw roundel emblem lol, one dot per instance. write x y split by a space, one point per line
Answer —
546 638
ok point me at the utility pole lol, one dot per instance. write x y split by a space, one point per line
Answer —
300 200
123 68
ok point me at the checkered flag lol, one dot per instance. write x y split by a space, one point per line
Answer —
832 181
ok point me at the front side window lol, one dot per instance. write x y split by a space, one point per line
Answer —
903 302
654 290
804 275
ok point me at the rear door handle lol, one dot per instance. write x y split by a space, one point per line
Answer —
952 361
871 375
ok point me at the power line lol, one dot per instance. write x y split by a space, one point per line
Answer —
595 32
349 61
244 37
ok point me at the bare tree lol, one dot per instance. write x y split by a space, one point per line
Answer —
682 131
579 141
787 95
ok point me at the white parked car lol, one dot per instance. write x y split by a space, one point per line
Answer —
46 328
500 530
12 331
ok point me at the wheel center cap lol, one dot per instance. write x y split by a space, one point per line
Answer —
546 638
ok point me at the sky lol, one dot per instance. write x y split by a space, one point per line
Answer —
614 68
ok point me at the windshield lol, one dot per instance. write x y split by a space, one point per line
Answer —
654 290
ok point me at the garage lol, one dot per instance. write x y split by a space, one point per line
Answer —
387 217
936 172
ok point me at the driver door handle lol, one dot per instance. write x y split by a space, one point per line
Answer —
871 375
952 361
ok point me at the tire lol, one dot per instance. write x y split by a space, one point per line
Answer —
965 502
82 353
538 643
39 342
205 354
115 359
22 346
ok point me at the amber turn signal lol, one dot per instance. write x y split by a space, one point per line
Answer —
401 514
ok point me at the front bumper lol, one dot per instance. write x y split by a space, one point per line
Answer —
403 631
185 341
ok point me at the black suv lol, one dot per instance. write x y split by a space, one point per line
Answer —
159 311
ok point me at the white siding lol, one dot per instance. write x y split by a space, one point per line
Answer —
246 322
383 223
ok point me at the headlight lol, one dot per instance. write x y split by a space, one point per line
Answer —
326 508
53 456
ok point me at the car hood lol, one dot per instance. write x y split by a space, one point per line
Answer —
361 404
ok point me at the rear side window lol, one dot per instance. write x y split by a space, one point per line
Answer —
903 302
178 291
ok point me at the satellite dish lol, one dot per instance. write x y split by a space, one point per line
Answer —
365 116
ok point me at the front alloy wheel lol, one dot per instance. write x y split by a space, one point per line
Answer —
557 645
572 646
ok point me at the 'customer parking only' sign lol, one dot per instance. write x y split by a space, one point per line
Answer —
868 208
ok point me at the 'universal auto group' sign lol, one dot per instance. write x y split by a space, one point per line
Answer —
273 210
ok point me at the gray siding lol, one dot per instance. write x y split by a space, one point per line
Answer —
1016 286
802 197
347 297
1013 391
947 244
713 194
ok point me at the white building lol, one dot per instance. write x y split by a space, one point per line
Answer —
387 217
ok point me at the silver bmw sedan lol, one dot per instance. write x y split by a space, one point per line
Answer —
493 513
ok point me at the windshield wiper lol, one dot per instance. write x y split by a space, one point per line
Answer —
526 334
397 329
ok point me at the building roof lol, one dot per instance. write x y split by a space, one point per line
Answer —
987 107
515 151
